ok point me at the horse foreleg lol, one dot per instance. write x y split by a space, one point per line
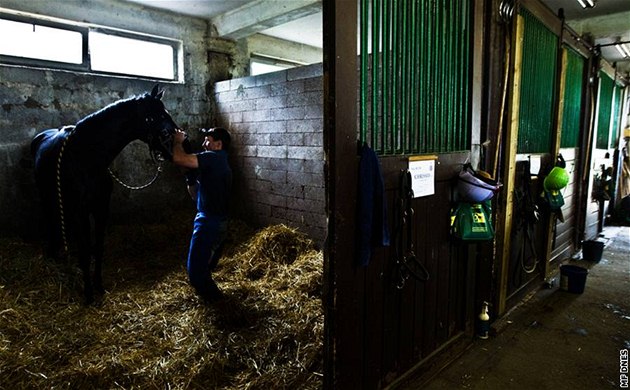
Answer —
100 212
100 222
85 259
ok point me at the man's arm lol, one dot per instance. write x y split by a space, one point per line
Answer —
180 157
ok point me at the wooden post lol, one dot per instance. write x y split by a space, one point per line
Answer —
504 222
555 149
342 317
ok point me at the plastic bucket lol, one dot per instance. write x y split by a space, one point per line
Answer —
573 278
592 250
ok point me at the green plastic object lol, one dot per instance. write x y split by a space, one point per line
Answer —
557 179
472 221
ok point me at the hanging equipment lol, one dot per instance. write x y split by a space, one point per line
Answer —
406 261
529 216
471 218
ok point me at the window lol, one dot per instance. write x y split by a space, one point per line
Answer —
63 45
257 68
116 54
262 64
40 42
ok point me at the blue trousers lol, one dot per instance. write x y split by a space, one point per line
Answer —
205 250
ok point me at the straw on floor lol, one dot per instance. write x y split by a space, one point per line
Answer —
150 331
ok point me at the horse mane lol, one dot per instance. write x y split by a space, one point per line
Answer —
111 109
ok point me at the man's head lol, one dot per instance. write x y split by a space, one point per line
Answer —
216 138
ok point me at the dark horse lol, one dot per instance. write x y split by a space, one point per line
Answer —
71 171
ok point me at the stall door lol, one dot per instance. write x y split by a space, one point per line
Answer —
536 133
565 240
415 105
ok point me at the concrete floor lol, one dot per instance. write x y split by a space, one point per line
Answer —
556 339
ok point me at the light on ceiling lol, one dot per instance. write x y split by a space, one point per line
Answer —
587 3
623 50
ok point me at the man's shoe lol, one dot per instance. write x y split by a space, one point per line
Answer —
212 293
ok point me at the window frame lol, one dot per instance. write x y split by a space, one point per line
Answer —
274 61
39 63
84 29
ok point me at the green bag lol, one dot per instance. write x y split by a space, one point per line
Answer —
472 221
553 199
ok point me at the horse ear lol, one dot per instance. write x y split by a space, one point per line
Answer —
155 93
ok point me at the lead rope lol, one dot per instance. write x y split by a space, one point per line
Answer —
59 195
129 187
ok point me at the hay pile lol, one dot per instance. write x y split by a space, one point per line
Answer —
151 331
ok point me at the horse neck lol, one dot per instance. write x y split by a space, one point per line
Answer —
99 142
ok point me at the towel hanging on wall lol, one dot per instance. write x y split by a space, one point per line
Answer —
372 206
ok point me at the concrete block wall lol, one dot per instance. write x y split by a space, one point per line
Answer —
276 122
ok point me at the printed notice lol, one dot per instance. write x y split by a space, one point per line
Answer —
422 176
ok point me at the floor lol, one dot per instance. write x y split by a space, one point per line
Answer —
557 339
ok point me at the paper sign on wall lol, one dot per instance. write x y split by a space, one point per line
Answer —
422 175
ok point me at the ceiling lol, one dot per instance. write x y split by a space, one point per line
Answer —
301 20
292 20
608 21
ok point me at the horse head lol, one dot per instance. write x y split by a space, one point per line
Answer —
158 127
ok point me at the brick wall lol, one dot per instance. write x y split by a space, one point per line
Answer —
276 122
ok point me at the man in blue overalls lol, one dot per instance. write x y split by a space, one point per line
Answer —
209 181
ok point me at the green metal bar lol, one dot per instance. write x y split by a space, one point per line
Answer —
437 49
422 139
400 62
466 72
459 80
400 72
437 77
450 82
404 77
431 64
387 101
414 79
394 76
363 72
442 71
376 142
412 73
458 62
381 79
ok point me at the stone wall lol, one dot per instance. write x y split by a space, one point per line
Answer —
276 122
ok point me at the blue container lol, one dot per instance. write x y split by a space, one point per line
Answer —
573 278
592 250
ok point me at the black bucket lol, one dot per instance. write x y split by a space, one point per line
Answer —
592 250
573 278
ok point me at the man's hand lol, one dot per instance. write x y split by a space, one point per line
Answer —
179 136
180 157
